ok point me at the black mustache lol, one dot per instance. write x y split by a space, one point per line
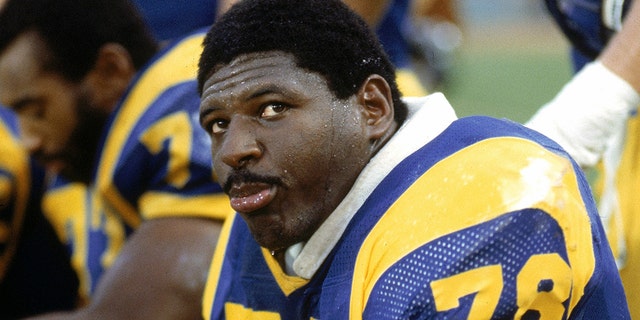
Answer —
245 176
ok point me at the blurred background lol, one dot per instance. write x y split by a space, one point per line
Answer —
499 58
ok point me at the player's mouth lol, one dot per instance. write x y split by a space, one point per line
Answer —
246 197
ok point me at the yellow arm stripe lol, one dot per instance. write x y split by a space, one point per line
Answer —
158 205
151 84
480 186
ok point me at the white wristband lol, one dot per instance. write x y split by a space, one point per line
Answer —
587 112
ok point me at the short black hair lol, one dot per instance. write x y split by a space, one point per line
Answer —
74 31
324 36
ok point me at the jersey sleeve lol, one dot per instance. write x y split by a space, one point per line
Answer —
180 178
156 162
486 233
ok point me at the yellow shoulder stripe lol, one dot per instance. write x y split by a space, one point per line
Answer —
475 185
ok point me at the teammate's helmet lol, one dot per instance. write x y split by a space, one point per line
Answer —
588 24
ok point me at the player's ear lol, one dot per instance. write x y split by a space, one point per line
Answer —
110 76
375 97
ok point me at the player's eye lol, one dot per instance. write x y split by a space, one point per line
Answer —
273 109
218 126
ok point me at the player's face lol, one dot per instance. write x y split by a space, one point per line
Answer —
57 128
286 150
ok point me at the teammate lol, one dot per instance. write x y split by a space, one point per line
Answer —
352 203
595 118
35 275
102 106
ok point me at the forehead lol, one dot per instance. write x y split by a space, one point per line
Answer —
260 69
255 60
25 53
21 63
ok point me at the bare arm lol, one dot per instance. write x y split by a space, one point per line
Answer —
159 274
622 54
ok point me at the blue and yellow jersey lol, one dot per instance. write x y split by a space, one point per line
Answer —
487 221
154 162
35 275
90 237
624 214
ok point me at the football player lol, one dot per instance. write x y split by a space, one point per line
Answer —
35 274
102 105
353 203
